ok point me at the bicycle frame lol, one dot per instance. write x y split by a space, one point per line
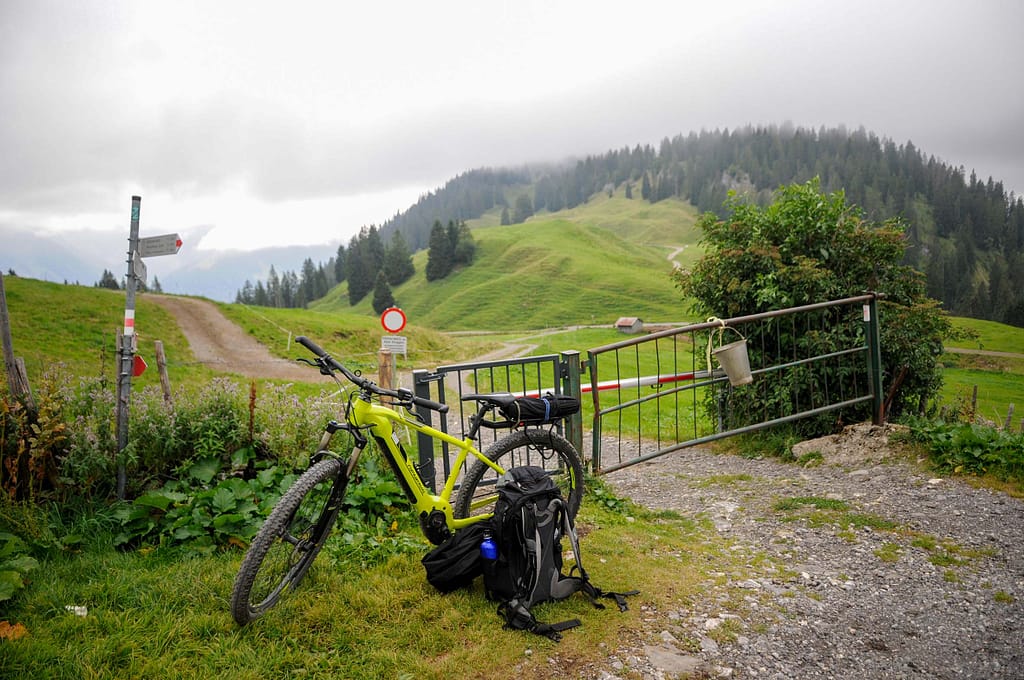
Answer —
379 421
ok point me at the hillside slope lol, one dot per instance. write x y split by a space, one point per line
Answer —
591 265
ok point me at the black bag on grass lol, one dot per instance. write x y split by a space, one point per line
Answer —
456 562
541 410
530 520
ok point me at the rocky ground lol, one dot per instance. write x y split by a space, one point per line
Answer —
863 565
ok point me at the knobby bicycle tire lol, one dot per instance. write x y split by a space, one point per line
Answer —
288 542
531 446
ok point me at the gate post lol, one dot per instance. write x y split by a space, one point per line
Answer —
871 331
570 362
595 430
421 380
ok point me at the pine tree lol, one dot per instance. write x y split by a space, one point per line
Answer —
505 219
439 254
274 289
465 246
523 209
363 264
375 246
290 289
259 296
307 285
340 265
108 280
244 296
398 260
382 296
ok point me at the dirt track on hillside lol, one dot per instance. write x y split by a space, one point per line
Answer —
221 345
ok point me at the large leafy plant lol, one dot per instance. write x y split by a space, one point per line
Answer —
806 247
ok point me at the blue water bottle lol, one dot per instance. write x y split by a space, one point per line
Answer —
488 548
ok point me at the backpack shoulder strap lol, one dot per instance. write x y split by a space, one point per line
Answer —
594 593
591 591
518 617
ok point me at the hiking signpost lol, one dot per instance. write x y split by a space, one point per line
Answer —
129 364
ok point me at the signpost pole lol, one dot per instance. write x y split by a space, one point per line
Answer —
127 350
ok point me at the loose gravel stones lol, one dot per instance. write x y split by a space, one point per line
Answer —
868 567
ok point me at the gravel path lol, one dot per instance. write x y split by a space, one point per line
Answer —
223 346
873 569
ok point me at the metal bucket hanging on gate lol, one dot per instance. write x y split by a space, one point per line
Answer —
734 361
731 357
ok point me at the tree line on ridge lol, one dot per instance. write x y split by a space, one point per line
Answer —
965 234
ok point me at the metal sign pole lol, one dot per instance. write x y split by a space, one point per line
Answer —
127 358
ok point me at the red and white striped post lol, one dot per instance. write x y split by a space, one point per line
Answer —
127 349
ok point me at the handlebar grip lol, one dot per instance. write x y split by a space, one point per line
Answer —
432 405
310 345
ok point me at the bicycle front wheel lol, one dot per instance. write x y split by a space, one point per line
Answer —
288 542
543 448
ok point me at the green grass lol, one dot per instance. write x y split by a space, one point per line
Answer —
817 502
996 391
1003 597
998 378
889 552
351 337
990 335
818 511
553 271
162 614
77 326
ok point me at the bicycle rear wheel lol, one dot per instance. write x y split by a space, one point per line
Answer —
543 448
288 542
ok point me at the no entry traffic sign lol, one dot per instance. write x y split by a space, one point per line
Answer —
393 320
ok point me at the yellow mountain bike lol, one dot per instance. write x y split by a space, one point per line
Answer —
298 526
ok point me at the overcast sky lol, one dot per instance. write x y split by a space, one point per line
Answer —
245 124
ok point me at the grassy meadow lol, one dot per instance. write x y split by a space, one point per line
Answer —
998 378
161 612
552 271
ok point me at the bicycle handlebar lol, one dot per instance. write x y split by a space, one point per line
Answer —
403 395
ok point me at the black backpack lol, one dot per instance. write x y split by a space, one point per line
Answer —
530 520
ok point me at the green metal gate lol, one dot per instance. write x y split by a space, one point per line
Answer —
649 393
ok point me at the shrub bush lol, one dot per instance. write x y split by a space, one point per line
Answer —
968 448
809 247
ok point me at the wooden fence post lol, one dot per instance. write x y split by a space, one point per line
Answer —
386 369
17 377
161 366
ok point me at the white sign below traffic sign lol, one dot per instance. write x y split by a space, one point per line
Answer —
396 344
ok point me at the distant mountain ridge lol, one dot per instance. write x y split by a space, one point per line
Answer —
215 274
966 234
